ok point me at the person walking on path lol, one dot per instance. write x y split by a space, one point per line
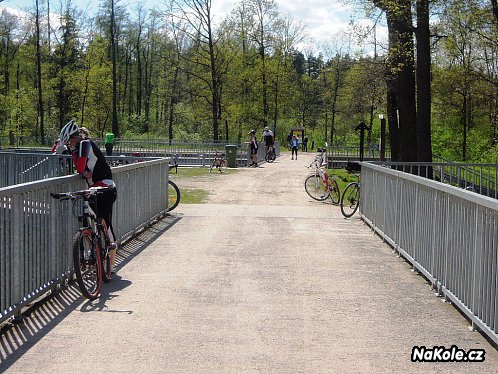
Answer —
305 144
109 143
295 146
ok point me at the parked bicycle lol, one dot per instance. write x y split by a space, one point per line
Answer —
91 244
350 200
219 162
320 185
270 154
174 195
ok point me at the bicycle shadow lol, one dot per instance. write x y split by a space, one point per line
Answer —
46 313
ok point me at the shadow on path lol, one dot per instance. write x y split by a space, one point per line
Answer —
42 316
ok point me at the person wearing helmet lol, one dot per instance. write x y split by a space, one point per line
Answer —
91 164
268 138
253 144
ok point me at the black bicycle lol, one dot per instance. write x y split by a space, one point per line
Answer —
174 195
270 154
220 162
350 200
91 244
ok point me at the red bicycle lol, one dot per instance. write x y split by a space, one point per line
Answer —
320 185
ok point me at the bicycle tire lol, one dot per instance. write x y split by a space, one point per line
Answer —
335 194
105 255
350 200
87 264
174 196
315 188
223 164
270 157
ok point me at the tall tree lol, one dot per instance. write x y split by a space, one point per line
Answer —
401 70
265 14
112 29
424 143
198 17
41 109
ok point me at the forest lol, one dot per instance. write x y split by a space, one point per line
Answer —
176 74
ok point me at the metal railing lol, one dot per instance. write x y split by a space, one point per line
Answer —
16 168
479 178
448 234
340 154
36 231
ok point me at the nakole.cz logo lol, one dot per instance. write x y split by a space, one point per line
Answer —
442 354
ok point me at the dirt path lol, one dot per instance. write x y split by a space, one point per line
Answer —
259 279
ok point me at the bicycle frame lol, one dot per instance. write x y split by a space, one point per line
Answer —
217 159
92 263
89 217
320 171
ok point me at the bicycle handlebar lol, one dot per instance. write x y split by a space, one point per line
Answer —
81 193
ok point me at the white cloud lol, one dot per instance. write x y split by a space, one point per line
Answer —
323 19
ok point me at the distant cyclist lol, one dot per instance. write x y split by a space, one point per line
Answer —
268 138
91 164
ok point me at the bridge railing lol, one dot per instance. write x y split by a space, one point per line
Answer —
479 178
340 154
36 231
448 234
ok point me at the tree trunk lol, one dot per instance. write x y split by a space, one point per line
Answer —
115 126
494 4
463 121
424 146
391 99
406 83
41 113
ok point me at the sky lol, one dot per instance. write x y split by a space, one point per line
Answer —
324 19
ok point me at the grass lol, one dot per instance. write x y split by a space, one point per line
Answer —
343 177
199 172
196 195
193 196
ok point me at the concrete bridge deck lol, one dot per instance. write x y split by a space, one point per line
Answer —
259 279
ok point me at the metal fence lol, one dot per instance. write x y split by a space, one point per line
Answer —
184 153
36 231
448 234
340 154
16 168
480 178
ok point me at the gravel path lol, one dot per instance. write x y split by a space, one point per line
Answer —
259 279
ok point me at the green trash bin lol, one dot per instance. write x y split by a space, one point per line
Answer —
231 152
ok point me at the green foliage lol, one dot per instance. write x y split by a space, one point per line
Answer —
166 69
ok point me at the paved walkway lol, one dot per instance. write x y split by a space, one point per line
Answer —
260 279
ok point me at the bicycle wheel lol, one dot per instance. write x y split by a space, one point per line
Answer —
350 200
222 166
105 256
87 264
315 187
173 195
335 194
270 156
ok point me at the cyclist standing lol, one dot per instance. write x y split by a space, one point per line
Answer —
91 164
